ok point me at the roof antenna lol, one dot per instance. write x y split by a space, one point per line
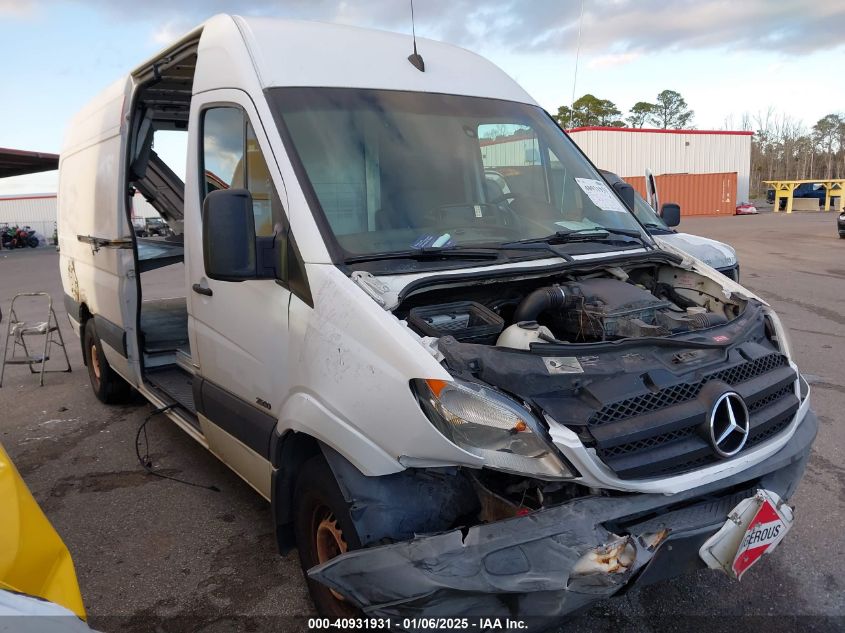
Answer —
415 58
577 56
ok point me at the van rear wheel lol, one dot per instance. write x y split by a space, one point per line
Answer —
323 530
108 386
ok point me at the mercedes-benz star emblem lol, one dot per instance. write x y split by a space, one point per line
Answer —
729 424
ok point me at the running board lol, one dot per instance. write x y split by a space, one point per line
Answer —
175 383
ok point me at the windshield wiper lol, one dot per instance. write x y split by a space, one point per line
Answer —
588 234
429 253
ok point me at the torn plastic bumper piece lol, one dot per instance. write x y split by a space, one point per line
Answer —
553 561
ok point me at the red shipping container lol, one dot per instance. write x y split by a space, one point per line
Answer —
697 194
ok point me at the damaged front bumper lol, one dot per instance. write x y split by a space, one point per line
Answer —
544 565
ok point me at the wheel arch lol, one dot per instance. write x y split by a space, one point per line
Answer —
289 452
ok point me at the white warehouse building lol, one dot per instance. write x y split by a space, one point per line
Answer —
37 211
628 152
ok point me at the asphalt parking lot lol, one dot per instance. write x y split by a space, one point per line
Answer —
154 555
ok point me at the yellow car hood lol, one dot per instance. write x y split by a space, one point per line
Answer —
33 558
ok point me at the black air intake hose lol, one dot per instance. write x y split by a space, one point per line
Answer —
707 319
538 302
665 290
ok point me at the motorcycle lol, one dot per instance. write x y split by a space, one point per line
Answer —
26 237
16 237
7 236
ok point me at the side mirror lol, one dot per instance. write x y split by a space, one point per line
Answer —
230 249
671 214
626 192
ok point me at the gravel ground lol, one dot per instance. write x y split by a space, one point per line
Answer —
153 555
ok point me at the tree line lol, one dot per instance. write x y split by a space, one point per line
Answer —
669 111
782 148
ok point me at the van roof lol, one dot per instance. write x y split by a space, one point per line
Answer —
297 53
256 53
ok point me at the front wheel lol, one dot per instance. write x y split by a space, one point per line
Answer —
32 242
323 530
108 386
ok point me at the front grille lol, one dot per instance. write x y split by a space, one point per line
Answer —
767 400
747 371
651 401
659 433
676 394
647 443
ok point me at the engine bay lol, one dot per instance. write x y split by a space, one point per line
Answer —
599 306
627 358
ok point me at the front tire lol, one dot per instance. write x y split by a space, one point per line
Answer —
323 530
108 386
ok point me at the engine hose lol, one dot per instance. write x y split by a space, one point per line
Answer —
707 319
538 302
665 290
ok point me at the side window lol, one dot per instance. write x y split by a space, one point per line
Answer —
231 158
223 149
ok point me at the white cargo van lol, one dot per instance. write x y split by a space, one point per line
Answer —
456 401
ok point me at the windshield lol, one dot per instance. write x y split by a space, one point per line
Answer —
646 214
395 171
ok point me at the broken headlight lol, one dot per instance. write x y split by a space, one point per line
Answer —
492 426
777 332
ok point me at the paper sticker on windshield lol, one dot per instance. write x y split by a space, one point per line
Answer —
600 195
433 241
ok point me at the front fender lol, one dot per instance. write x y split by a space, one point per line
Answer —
303 413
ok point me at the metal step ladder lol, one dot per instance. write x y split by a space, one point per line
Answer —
22 353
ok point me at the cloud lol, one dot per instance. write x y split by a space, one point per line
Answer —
620 26
613 59
170 31
17 8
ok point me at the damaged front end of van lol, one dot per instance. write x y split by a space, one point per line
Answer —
549 562
642 438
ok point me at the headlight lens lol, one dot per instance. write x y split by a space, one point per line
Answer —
494 427
779 333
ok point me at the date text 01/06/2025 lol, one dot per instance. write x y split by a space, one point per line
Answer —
434 624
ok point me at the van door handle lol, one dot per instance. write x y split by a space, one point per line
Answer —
202 290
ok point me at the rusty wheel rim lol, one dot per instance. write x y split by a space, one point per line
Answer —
95 362
328 538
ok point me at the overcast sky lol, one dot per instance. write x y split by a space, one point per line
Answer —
725 57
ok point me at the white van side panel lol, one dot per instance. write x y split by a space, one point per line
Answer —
91 203
347 357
